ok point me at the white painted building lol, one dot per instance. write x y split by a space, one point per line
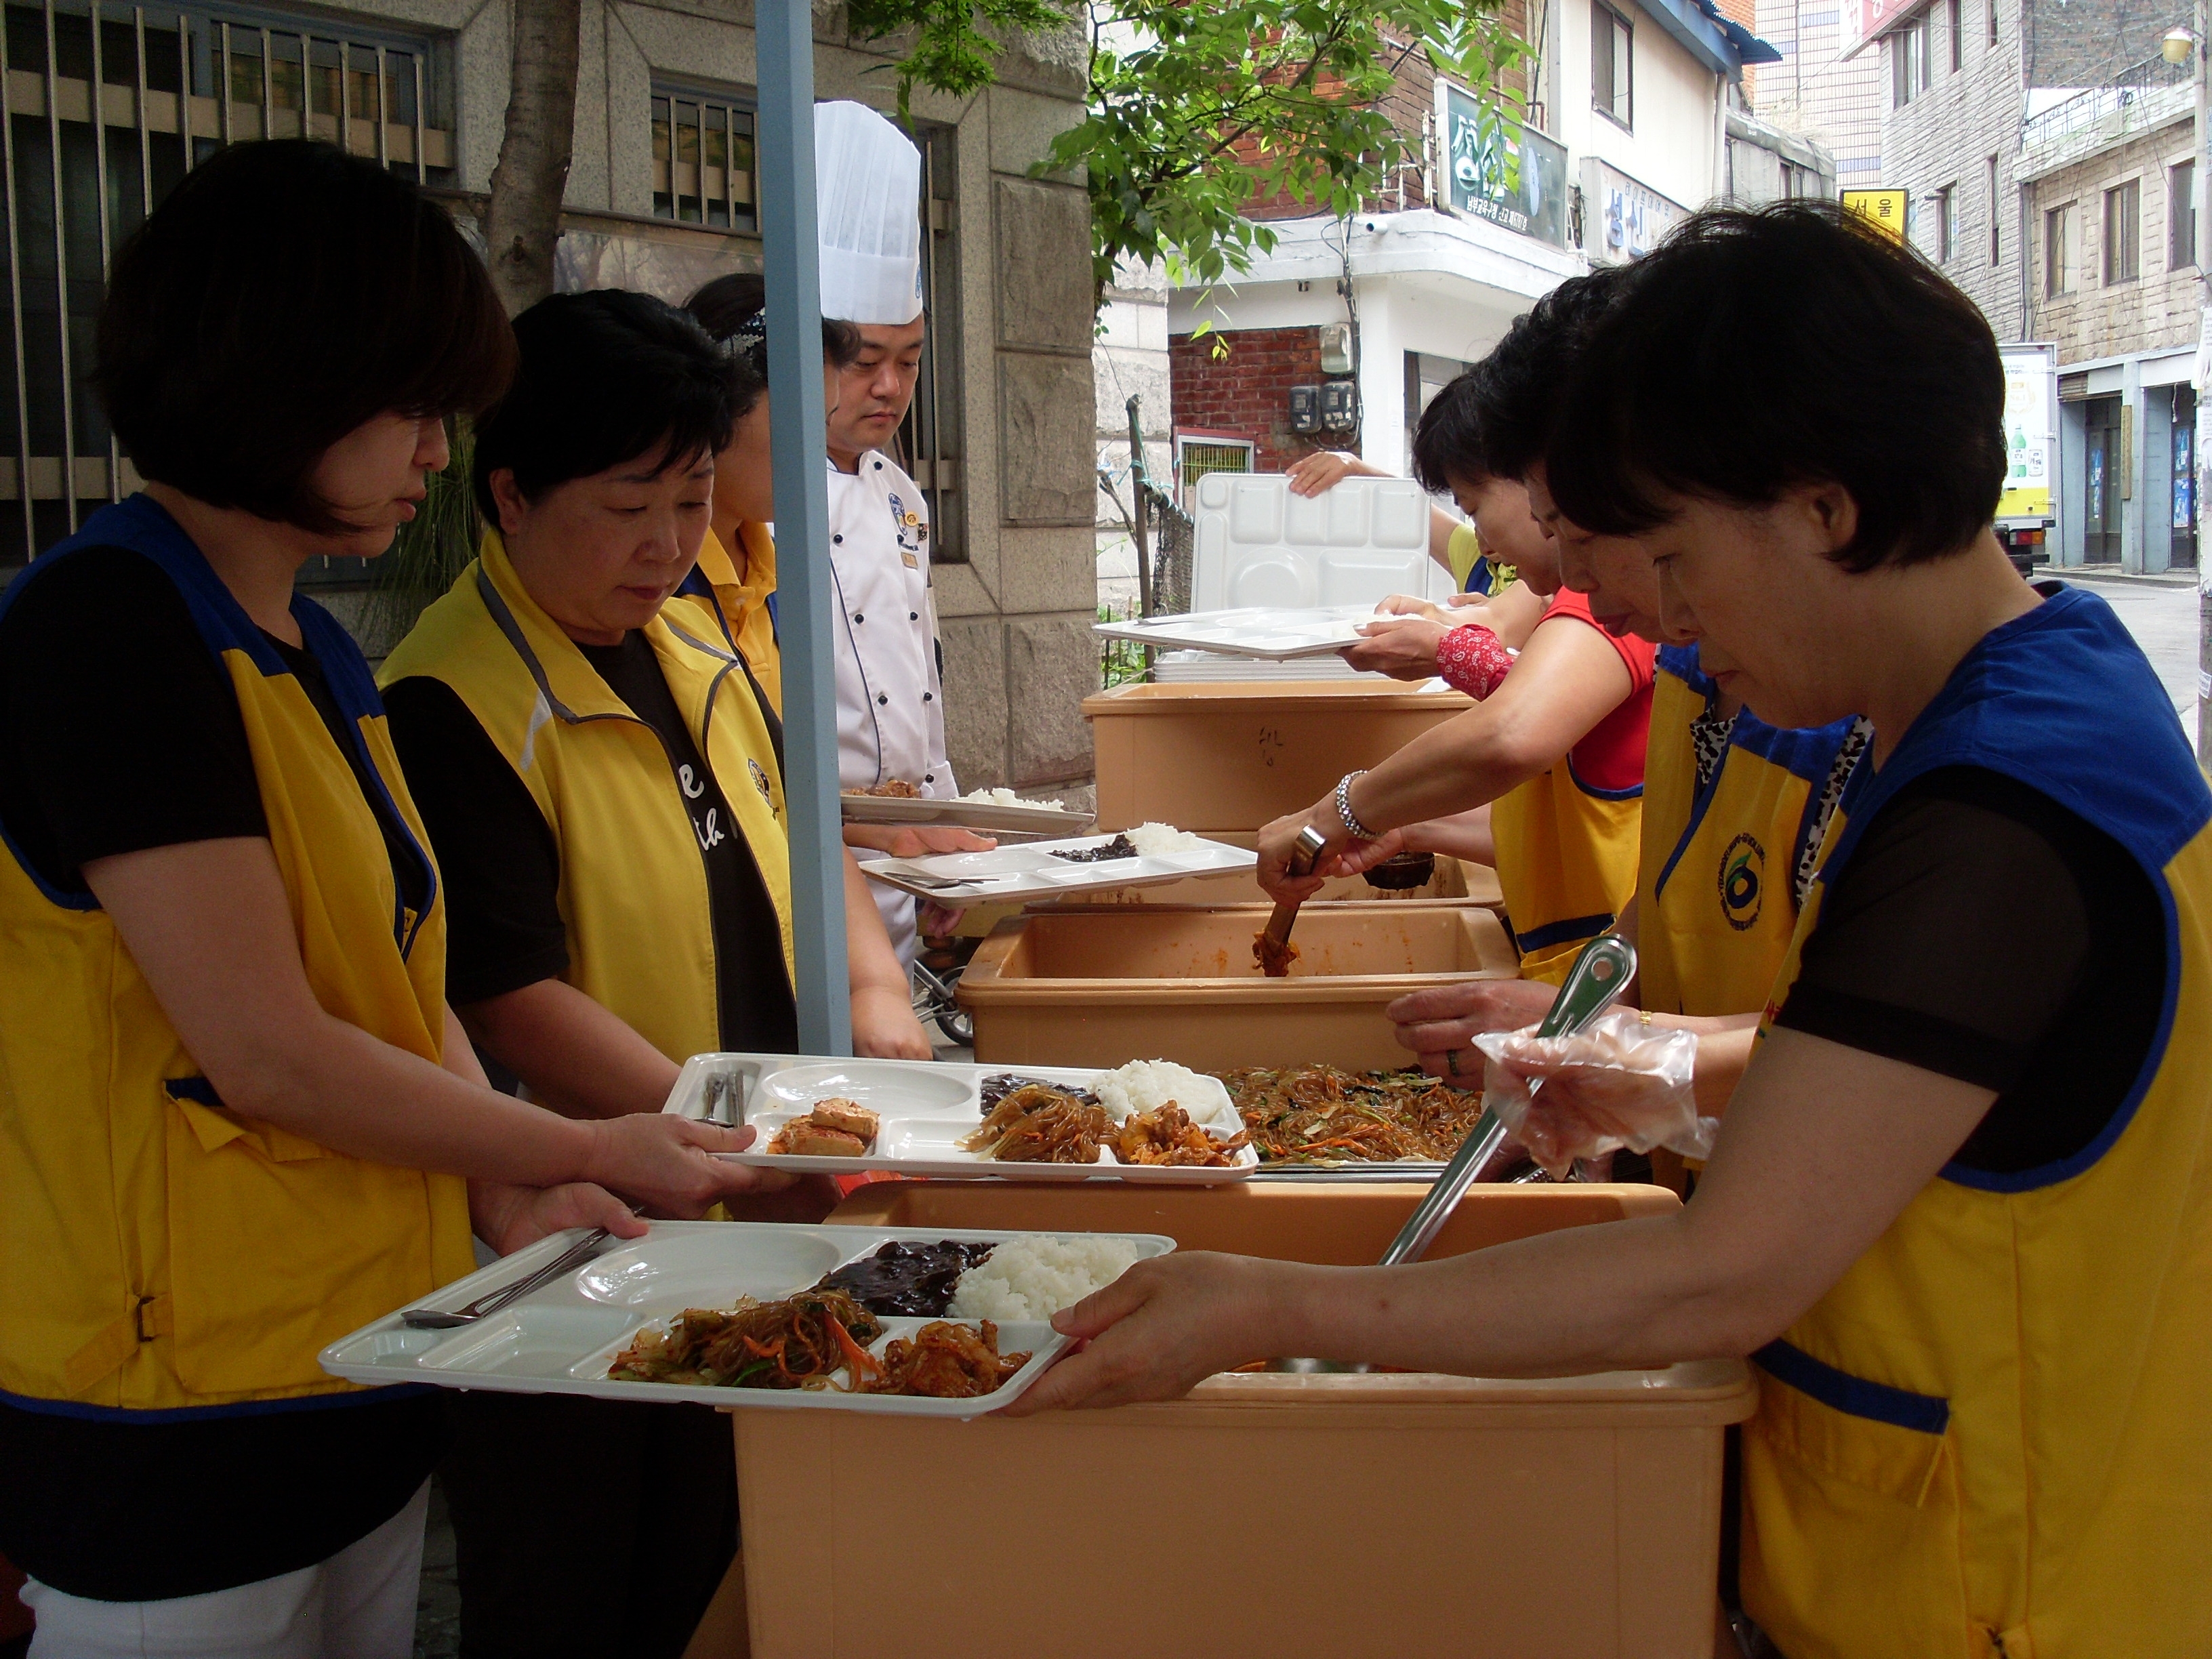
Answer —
1627 131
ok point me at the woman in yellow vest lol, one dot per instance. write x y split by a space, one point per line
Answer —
1735 811
1555 750
237 1119
736 574
1957 1214
602 776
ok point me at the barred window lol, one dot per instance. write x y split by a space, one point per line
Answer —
176 85
702 160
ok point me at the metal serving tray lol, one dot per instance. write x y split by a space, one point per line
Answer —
990 817
1015 874
561 1337
924 1106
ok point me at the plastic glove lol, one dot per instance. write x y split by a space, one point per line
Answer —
1618 1083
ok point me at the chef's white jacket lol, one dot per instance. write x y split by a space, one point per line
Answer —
891 703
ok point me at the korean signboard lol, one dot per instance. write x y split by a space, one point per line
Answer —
1623 219
2031 388
1883 208
1516 178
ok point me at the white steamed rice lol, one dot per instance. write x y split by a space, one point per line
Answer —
1153 839
1146 1086
1031 1278
1006 798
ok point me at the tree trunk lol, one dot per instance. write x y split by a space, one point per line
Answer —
523 223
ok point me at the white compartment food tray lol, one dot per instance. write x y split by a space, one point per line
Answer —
1267 633
989 817
925 1107
1010 873
561 1337
1254 542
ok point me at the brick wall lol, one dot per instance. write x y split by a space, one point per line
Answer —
1248 392
2081 43
2158 310
1412 96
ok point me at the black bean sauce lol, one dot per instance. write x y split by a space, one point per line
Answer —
902 1278
993 1089
1119 847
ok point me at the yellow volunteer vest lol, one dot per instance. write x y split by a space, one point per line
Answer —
1716 894
1987 1437
1566 865
1472 570
633 885
157 1249
745 610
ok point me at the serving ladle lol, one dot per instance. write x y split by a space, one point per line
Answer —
1601 973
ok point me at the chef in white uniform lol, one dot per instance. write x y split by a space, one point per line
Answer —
891 701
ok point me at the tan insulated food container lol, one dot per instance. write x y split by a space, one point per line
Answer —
1104 984
1231 756
1574 1518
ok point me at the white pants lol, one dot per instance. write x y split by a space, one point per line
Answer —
359 1604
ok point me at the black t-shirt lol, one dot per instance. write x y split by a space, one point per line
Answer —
1982 931
502 869
135 745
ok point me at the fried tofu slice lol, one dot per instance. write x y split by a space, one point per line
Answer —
803 1138
853 1119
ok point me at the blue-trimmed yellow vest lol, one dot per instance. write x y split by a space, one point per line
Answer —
1989 1438
1715 898
159 1251
633 891
1472 569
1566 864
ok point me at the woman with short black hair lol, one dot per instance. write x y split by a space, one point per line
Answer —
601 775
1958 1211
237 1119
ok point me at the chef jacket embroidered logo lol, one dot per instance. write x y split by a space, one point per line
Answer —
1743 872
908 526
760 781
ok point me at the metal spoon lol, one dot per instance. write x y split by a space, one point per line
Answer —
1601 973
433 1319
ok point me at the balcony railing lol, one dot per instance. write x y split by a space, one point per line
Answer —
2137 99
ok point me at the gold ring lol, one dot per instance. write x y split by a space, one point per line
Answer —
1451 1061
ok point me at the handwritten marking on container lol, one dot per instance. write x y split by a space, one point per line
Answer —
1270 741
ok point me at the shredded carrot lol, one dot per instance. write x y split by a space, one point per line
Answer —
863 1363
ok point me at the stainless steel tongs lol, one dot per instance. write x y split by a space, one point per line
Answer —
1600 974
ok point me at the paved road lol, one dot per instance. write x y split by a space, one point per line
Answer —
2163 618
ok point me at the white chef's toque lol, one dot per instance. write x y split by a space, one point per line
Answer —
868 188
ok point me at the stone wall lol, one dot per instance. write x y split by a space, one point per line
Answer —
1239 380
1943 140
2158 310
1015 612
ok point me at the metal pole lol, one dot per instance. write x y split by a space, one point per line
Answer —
61 276
16 305
100 172
145 128
1137 488
2202 133
784 166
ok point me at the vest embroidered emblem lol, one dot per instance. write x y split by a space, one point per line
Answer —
1743 870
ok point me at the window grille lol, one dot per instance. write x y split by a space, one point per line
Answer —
702 160
175 86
